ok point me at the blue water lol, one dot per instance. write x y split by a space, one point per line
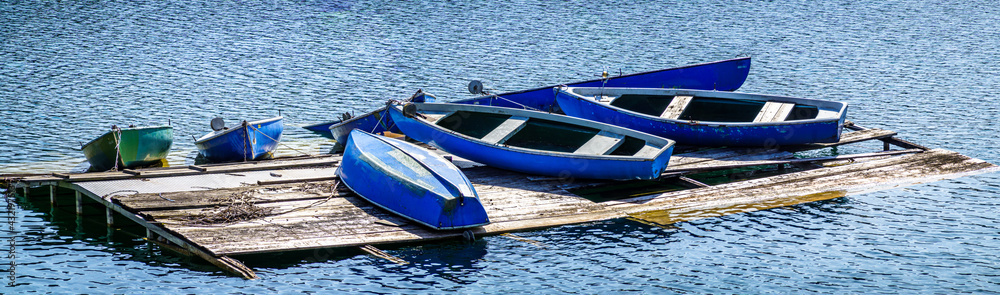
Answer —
926 69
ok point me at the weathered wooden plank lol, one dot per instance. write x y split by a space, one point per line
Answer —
774 111
860 177
736 159
740 164
676 107
295 180
282 163
853 137
219 197
705 156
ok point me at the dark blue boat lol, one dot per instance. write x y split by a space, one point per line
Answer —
250 141
410 181
709 118
535 142
725 75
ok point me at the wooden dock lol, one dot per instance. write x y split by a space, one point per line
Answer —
220 211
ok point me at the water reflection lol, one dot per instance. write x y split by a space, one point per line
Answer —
455 261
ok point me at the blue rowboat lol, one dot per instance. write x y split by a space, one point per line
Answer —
129 147
725 75
709 118
535 142
250 141
410 181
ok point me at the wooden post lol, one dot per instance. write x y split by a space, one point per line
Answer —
79 203
885 145
111 216
52 195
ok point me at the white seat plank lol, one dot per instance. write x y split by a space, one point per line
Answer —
676 107
601 144
648 151
505 130
774 112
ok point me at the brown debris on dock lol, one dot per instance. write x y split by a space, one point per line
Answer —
241 207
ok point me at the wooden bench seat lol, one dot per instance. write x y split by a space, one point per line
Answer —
648 151
676 107
602 143
505 130
774 111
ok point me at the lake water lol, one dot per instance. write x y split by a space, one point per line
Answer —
926 69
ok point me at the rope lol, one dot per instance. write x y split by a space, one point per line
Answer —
134 192
379 123
513 102
275 140
246 138
333 194
386 114
117 134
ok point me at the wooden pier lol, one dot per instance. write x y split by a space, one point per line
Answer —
225 210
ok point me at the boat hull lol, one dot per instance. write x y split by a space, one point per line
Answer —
137 147
556 164
704 133
725 75
410 182
250 141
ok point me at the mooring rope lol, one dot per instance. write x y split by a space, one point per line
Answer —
275 140
514 102
386 114
117 134
333 193
383 116
134 192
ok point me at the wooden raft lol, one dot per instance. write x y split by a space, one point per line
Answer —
309 213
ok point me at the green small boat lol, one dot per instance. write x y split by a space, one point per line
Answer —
129 147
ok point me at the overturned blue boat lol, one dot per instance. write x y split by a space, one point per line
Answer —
250 141
709 118
724 75
535 142
410 181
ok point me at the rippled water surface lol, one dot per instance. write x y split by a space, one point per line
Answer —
926 69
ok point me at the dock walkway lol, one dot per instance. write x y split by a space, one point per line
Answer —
219 211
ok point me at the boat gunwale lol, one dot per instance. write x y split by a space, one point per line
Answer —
469 100
338 123
124 129
824 105
216 134
377 204
666 144
604 79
